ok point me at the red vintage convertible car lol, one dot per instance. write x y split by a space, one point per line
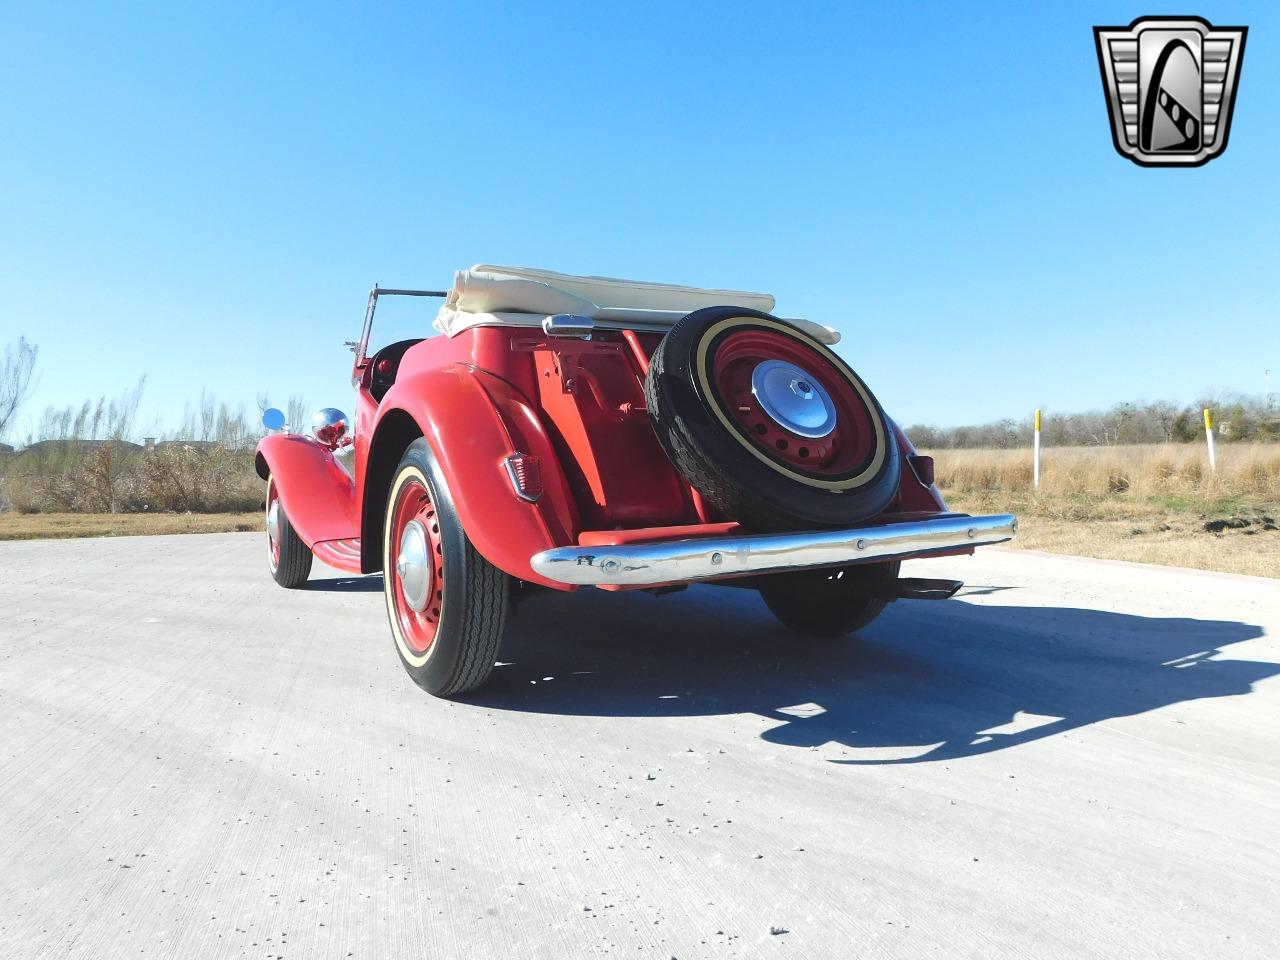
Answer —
566 431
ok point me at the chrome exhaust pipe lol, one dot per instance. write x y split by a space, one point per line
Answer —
919 588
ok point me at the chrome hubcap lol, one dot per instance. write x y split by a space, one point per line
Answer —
273 522
413 565
793 399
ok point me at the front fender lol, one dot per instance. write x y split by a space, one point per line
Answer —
318 496
473 421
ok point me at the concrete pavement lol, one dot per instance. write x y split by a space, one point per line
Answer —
1073 759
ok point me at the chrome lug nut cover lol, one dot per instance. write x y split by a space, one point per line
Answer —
273 522
793 399
413 565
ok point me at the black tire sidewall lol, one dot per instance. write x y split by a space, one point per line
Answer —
811 606
770 499
294 565
432 669
438 670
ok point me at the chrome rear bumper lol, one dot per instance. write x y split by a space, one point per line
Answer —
710 558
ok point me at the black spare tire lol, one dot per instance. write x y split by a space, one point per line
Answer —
771 427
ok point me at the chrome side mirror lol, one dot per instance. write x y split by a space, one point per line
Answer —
272 418
330 425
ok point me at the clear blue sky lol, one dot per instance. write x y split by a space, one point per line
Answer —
204 194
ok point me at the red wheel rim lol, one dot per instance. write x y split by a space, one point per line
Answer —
274 519
844 451
413 505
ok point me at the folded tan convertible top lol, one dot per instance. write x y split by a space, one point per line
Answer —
489 295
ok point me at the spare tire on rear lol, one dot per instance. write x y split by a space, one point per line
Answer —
771 427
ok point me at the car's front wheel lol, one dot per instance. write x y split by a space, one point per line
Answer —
448 606
830 603
287 556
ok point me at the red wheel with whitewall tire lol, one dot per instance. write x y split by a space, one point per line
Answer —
768 424
287 556
446 604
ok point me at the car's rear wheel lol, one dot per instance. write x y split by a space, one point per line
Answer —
447 605
829 603
287 556
771 427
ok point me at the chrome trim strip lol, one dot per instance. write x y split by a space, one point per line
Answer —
682 561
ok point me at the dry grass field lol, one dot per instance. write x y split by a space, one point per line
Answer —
1152 503
45 526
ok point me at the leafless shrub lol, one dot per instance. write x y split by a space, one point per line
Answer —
182 477
82 462
174 478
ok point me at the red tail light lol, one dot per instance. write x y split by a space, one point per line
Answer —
525 471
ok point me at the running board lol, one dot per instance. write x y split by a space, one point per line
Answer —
342 554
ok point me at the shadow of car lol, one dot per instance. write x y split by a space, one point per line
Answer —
926 682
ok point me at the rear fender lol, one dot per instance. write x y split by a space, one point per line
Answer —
318 496
913 494
473 421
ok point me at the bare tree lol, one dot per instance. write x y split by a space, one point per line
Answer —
15 379
299 414
107 418
1162 413
1240 417
208 414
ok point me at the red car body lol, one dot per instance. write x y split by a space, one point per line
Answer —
543 441
489 393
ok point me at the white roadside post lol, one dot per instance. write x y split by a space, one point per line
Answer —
1208 439
1035 456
